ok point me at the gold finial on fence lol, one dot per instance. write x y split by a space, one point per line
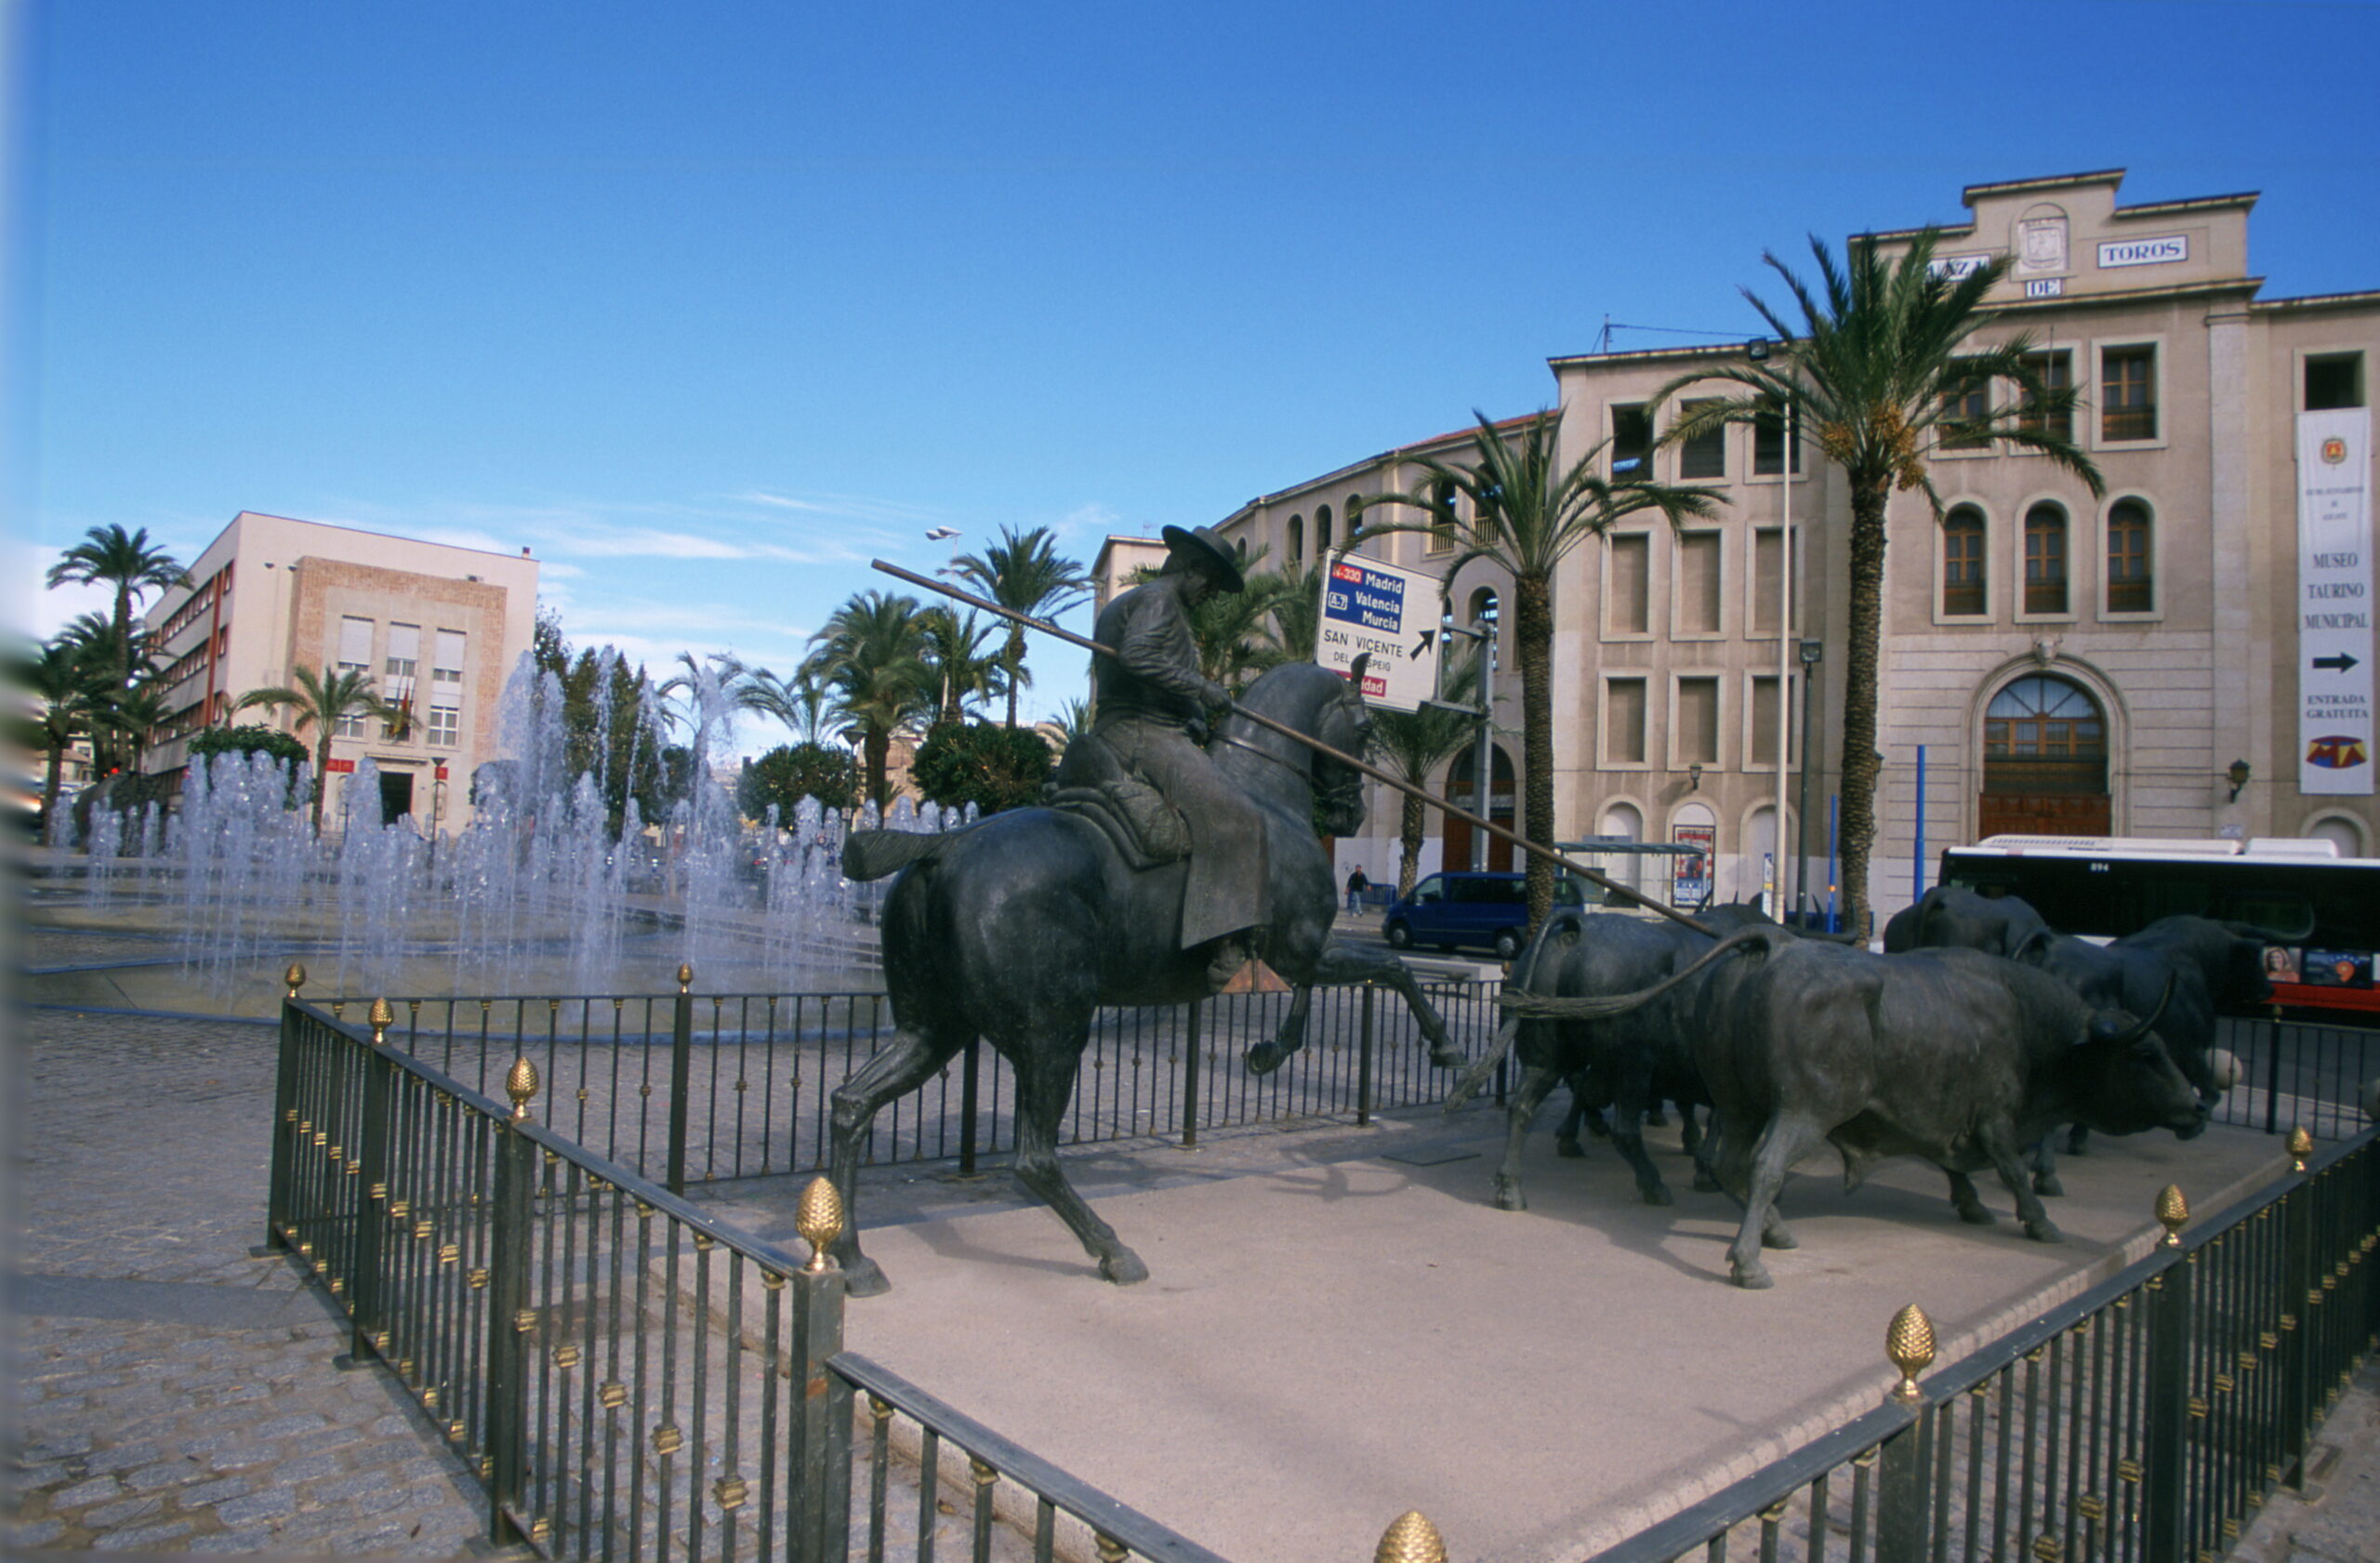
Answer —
1909 1341
382 1018
819 1219
2300 1147
2172 1214
1412 1539
520 1084
685 976
295 977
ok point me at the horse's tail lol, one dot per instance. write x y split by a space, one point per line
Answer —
871 854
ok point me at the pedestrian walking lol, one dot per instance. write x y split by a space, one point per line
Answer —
1356 885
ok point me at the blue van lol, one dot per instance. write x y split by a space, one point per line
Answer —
1464 908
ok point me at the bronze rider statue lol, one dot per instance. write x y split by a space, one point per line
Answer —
1151 712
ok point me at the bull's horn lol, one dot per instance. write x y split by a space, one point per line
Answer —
2127 1038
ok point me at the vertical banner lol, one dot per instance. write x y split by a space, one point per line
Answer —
2334 726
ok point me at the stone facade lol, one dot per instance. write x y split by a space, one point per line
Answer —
2165 611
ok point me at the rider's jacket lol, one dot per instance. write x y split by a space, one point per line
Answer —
1154 675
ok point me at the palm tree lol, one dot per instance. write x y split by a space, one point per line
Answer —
1296 612
1883 368
800 702
954 660
133 714
1527 514
322 702
1417 743
128 564
1023 574
871 658
61 676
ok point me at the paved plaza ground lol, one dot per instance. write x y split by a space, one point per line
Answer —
171 1394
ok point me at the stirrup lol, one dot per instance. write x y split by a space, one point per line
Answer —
1255 978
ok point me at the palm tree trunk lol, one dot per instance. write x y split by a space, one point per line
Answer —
1411 840
1533 639
1861 762
877 748
123 634
322 779
1015 661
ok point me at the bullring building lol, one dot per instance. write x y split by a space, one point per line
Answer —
2189 654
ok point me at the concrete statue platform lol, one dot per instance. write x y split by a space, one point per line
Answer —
1339 1326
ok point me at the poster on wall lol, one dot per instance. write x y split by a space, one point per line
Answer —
1690 872
2334 726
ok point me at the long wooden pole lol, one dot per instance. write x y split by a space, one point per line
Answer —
1261 720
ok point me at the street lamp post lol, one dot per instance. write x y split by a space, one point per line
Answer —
1483 754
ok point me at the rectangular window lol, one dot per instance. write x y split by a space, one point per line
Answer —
1628 608
448 668
405 650
1705 456
1768 442
1698 722
2056 371
354 645
1962 538
1767 567
1697 583
2128 394
2045 560
1970 405
348 726
2130 587
445 727
1623 720
2334 379
1764 724
1632 441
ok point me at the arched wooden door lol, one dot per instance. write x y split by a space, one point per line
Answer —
1460 789
2044 761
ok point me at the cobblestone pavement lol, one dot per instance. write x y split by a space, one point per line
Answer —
169 1392
2337 1520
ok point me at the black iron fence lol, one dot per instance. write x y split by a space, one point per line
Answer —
630 1379
2146 1420
690 1088
2293 1074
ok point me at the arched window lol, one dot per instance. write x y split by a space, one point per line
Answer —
1322 531
2342 832
1442 522
1625 822
2044 761
1297 540
1354 511
1962 561
2046 559
2131 587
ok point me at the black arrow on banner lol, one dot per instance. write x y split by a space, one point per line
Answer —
2338 664
1427 636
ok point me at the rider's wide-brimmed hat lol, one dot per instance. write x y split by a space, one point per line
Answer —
1202 548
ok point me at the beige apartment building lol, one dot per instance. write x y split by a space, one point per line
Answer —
2187 655
437 627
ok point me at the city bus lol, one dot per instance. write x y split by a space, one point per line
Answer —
2111 886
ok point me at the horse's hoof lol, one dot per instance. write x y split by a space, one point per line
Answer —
1509 1196
1265 1057
1123 1267
1975 1215
2044 1232
862 1278
1779 1236
2047 1187
1657 1194
1568 1145
1752 1277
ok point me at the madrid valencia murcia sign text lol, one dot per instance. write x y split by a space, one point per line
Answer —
1393 614
2334 725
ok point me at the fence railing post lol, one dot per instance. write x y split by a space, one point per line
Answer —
284 1121
2168 1408
681 1074
2272 1073
368 1170
970 1078
2297 1354
1904 1506
1364 1065
510 1253
821 1435
1190 1079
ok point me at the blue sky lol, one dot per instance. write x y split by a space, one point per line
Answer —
710 303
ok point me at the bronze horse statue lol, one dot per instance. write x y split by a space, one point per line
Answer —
1018 928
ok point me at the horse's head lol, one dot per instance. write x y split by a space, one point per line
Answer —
1329 709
